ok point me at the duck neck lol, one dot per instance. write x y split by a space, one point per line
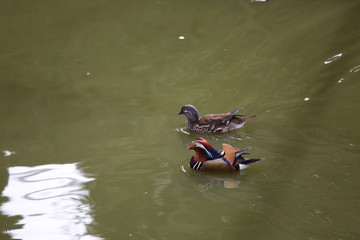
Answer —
199 156
192 116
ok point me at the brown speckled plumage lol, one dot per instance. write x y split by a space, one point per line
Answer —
218 123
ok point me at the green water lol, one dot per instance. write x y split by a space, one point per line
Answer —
91 146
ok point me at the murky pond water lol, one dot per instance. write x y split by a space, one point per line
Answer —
91 146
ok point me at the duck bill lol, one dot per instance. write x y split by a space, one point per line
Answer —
190 148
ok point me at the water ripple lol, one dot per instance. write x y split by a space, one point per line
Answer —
183 130
333 58
355 69
52 201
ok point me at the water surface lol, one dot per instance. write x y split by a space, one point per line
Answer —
91 146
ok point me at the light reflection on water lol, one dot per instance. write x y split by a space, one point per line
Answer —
333 58
52 201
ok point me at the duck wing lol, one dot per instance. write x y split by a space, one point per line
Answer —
218 119
215 118
217 165
230 153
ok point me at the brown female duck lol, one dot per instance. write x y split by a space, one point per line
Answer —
213 122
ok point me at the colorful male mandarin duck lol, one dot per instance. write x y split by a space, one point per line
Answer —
222 122
207 158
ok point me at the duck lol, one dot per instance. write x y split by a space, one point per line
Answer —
213 123
208 159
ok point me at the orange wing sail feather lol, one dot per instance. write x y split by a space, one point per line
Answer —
230 152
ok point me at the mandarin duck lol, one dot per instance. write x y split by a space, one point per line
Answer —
207 158
219 123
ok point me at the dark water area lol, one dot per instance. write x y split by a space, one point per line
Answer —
91 146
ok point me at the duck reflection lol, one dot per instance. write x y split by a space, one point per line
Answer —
207 180
52 201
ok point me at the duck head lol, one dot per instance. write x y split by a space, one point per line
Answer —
203 148
190 112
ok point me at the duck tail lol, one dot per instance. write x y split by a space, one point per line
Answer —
248 117
241 120
248 162
240 152
234 112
